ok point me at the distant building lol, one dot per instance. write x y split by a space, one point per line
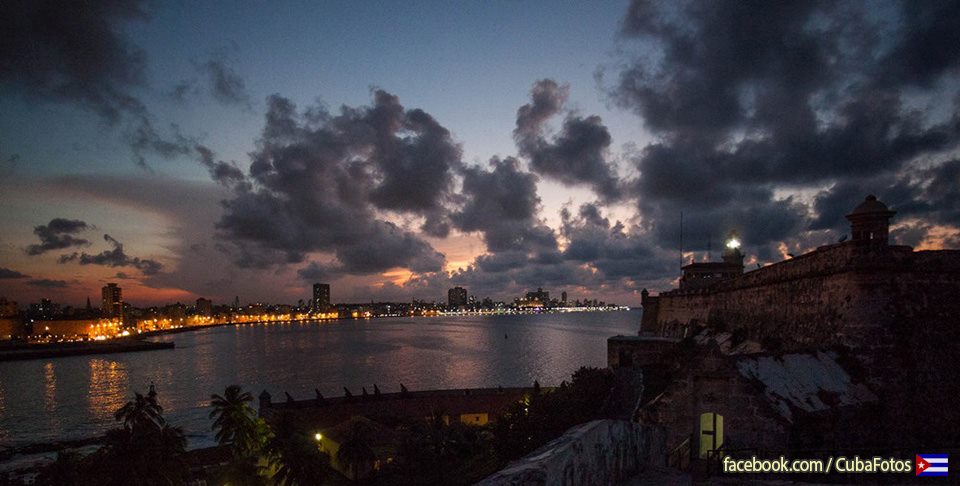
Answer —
10 323
457 297
77 328
11 327
177 312
204 307
46 309
539 295
8 308
563 297
112 302
321 296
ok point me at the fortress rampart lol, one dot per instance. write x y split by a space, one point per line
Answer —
847 294
863 294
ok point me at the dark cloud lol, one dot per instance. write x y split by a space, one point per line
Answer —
74 52
314 272
222 173
926 42
78 53
6 273
502 204
226 85
613 250
750 98
192 208
911 234
144 139
113 258
318 182
48 283
218 78
523 253
547 100
575 156
927 193
57 235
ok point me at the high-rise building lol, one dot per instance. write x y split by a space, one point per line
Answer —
563 297
112 303
457 297
204 307
321 296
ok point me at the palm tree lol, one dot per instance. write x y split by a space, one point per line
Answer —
145 450
239 429
235 421
295 456
141 411
355 451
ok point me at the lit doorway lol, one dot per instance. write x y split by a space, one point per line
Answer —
711 433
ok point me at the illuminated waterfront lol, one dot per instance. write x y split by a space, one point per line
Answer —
73 397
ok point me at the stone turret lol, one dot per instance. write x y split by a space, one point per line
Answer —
870 222
731 253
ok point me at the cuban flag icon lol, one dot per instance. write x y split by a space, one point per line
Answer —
931 464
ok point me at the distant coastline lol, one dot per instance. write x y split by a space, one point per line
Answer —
28 351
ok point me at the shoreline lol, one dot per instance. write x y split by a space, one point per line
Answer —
137 343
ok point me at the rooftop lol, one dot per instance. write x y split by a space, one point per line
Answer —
808 382
870 205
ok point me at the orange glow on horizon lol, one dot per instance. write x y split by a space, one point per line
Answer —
139 293
397 277
937 238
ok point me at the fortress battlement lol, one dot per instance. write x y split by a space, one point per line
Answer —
841 339
860 294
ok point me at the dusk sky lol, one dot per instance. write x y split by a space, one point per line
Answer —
396 149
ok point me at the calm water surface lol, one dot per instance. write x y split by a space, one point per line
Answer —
75 397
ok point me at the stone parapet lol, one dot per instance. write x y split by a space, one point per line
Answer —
598 452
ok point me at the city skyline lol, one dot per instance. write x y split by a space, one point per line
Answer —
112 304
396 152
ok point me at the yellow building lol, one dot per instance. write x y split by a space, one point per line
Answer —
79 328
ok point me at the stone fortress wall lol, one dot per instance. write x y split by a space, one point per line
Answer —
860 294
893 314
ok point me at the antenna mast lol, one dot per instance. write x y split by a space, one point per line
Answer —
681 238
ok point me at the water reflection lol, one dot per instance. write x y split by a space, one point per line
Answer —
49 387
76 397
108 387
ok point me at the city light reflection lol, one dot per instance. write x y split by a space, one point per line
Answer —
49 387
108 388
